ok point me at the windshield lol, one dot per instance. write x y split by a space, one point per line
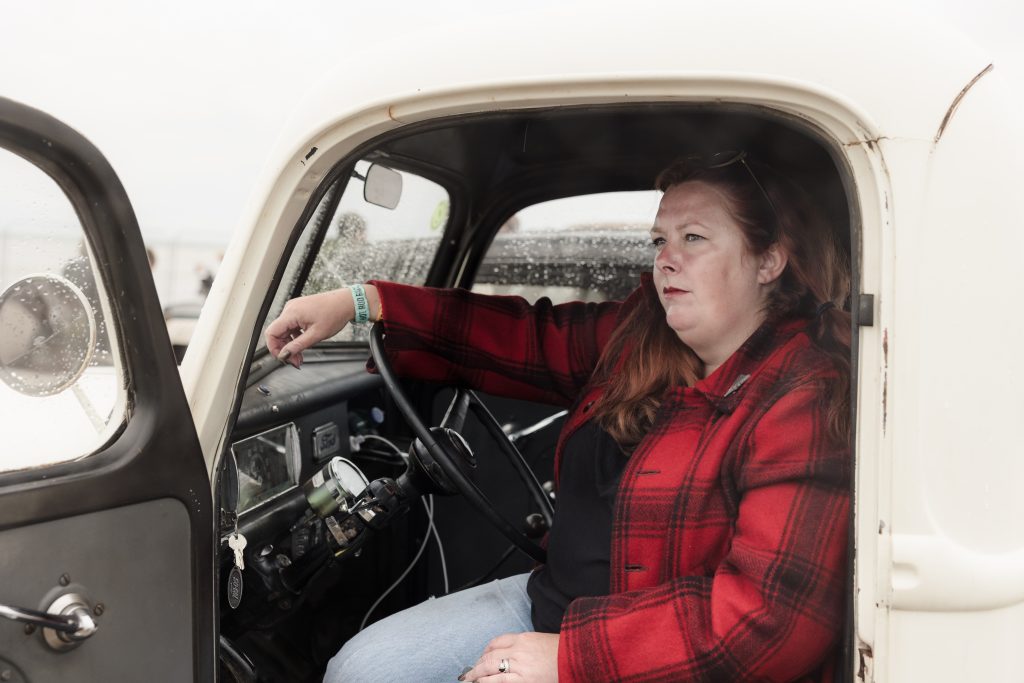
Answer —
365 241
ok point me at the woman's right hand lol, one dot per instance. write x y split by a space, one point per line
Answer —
310 319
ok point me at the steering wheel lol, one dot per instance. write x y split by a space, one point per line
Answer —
446 458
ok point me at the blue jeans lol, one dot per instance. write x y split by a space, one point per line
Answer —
436 639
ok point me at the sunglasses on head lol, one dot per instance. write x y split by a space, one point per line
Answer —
728 158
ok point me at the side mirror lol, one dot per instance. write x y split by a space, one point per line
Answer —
382 186
48 335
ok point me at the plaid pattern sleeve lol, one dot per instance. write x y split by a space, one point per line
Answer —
499 344
729 542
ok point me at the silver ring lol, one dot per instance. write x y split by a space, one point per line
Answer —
503 666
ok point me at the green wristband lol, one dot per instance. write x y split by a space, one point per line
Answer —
362 305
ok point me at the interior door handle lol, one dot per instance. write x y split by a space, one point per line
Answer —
67 622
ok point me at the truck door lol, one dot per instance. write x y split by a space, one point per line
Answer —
106 511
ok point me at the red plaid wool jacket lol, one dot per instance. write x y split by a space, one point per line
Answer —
730 528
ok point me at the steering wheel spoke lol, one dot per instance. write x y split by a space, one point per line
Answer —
455 416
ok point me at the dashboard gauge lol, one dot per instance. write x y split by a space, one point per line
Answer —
335 487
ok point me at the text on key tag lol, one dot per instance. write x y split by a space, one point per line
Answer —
234 594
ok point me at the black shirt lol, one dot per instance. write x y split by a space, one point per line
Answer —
579 544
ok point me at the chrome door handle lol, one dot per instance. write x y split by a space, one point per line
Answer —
68 622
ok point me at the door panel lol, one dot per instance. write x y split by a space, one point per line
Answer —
143 632
130 527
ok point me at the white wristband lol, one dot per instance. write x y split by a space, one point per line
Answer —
362 305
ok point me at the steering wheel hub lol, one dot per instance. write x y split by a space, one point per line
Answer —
457 445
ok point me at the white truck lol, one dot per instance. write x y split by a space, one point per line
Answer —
114 557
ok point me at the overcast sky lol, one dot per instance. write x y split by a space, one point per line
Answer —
186 98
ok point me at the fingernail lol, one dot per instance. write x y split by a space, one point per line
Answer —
462 676
284 355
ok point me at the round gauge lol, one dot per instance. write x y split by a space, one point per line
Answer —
335 487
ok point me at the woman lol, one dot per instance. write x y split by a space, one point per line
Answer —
703 470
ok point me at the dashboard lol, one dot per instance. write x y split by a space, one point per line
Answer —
293 428
305 442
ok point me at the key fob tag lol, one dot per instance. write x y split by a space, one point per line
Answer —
234 587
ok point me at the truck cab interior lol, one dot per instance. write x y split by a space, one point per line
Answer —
540 202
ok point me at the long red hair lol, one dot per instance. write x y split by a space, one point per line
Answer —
644 357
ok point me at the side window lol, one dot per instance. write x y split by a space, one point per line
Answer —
584 248
62 395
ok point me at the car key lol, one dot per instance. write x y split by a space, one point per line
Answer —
237 543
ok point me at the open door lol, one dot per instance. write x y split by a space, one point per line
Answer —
108 525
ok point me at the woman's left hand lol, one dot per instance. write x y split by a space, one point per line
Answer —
529 657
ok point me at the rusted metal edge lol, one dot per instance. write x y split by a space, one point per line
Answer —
957 100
